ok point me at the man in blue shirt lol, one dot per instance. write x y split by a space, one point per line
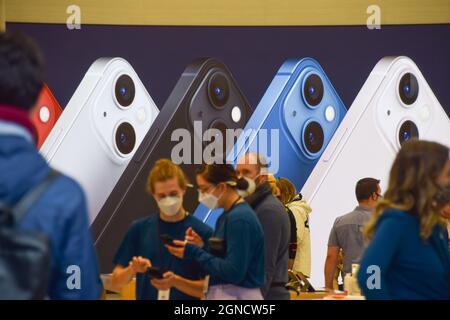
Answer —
143 247
61 212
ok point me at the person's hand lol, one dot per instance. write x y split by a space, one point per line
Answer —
139 264
165 283
177 251
192 237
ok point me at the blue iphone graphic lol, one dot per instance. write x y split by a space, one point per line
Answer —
291 126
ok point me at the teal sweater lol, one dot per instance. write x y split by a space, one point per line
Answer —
410 268
243 263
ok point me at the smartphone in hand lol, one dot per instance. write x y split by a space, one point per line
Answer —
154 273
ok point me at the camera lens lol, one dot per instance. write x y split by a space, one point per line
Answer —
124 90
218 124
408 130
313 137
218 90
125 138
408 88
313 90
222 127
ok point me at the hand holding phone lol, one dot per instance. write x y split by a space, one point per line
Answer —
154 273
192 237
140 264
177 248
168 240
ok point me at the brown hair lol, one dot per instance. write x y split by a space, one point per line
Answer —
163 170
412 185
287 190
365 188
217 173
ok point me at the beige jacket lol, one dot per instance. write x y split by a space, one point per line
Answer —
301 211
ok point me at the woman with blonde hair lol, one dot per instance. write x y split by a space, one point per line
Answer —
300 247
408 256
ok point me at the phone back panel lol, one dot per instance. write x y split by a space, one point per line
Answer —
188 102
277 126
45 114
81 144
365 146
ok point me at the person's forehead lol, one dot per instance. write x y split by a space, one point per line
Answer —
248 159
169 184
246 166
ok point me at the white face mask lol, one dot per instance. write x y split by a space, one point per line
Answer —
209 200
170 205
250 189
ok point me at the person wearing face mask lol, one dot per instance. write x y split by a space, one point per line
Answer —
143 245
234 257
274 221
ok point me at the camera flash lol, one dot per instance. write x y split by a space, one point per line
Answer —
236 114
141 115
44 114
330 114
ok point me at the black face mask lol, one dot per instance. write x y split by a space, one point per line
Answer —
443 196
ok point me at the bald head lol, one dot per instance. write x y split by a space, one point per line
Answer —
252 165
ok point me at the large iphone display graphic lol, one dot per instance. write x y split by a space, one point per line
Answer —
44 114
100 129
205 97
292 124
394 105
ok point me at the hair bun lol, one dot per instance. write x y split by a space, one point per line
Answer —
242 184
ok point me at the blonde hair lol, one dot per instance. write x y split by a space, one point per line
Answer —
287 190
163 170
272 182
412 185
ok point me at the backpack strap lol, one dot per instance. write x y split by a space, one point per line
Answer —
31 196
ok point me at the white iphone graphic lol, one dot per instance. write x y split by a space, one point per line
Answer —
394 105
100 129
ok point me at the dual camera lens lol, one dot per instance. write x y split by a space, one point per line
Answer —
408 89
313 135
125 136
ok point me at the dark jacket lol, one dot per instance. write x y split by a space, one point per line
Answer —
60 213
276 227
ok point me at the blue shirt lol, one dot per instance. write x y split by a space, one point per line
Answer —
142 239
243 263
410 268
